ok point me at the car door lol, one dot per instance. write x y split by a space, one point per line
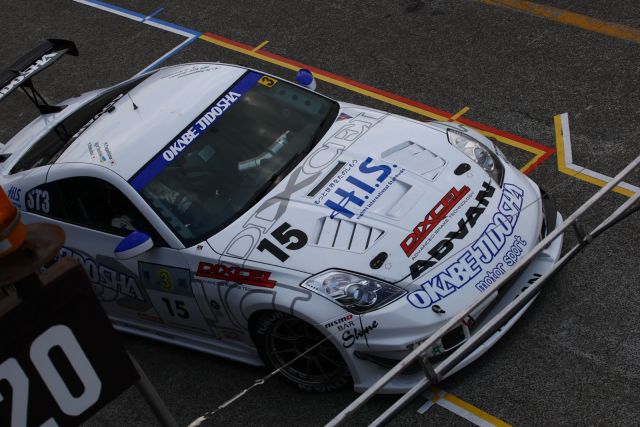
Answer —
151 290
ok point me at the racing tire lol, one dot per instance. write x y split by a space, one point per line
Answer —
283 341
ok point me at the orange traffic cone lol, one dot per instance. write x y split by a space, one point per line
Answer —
24 249
12 230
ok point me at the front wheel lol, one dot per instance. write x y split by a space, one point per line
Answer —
303 353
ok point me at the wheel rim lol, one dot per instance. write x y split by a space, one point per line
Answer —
290 338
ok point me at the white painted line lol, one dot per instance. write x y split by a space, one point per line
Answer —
148 20
428 404
568 157
164 57
110 10
152 22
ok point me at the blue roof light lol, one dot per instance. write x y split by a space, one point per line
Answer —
305 78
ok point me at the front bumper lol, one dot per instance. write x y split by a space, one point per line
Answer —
369 364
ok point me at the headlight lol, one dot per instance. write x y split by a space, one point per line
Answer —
477 152
356 293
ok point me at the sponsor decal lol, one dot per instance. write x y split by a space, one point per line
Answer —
100 153
193 131
267 81
198 128
106 109
38 200
105 277
510 258
432 219
350 336
446 245
343 116
33 68
435 350
482 252
323 155
189 71
235 274
341 323
150 318
14 195
362 185
164 278
344 172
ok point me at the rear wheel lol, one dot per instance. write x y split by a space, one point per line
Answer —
303 353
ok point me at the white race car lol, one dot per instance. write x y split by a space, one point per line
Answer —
229 211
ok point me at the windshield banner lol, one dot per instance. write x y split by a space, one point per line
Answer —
193 131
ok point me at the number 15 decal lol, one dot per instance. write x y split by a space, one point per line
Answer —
291 238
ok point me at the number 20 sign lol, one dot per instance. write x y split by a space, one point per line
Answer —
60 360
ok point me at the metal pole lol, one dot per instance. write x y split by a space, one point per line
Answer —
152 397
411 357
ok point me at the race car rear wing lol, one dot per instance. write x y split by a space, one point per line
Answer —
20 73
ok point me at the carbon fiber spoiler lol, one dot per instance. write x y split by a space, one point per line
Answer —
19 74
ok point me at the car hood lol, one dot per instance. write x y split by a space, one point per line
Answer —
376 195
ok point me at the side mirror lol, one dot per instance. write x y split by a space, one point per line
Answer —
133 245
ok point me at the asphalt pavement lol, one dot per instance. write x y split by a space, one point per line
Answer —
574 358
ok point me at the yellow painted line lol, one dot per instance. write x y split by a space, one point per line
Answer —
291 65
536 152
570 18
260 46
438 395
475 410
325 78
559 144
562 164
458 114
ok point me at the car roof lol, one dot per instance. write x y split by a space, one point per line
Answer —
150 115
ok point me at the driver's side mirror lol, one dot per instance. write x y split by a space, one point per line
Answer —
133 245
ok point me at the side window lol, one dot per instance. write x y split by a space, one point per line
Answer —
91 203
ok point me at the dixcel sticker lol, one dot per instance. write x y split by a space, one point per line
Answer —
432 219
479 255
235 274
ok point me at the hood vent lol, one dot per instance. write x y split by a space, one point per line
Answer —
416 158
345 235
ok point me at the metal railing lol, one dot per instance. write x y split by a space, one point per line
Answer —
433 374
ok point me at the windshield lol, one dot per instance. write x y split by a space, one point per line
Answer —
53 143
232 153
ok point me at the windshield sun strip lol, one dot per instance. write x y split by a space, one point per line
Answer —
191 132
